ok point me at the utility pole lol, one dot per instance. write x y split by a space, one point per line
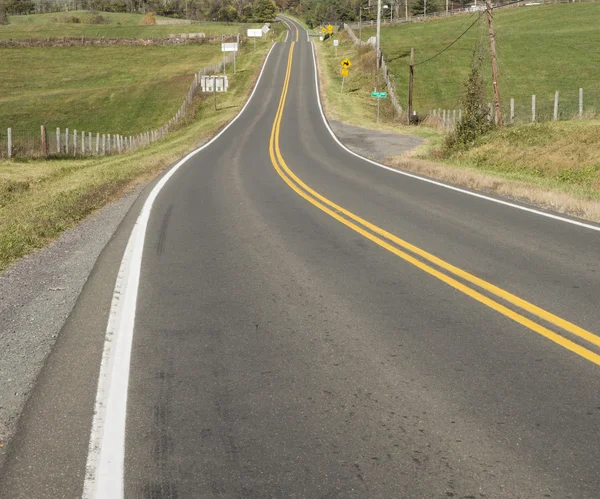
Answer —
446 7
406 9
410 83
378 37
360 23
498 110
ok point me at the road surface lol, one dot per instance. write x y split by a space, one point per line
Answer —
311 325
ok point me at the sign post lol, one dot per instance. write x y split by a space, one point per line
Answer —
229 47
255 33
335 44
214 84
378 96
345 68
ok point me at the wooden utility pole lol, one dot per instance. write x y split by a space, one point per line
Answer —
410 84
495 82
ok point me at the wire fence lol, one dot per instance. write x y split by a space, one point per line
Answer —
69 142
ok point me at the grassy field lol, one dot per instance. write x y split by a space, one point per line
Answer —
541 49
120 26
39 199
104 89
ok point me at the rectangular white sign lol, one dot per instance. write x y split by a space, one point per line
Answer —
255 33
217 83
229 47
336 43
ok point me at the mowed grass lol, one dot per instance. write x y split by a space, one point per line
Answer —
99 89
39 199
122 25
541 49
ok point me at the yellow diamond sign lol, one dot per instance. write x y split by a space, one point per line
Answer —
329 29
323 30
346 63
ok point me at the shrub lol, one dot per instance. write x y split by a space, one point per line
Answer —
95 18
66 20
148 19
475 120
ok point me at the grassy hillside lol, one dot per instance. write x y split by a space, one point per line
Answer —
120 26
118 89
541 49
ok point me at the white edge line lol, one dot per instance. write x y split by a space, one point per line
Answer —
435 182
104 477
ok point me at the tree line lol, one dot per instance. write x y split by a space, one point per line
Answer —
215 10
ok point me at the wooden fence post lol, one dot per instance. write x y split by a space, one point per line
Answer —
57 140
44 141
108 142
9 145
103 144
580 103
90 143
119 144
74 142
556 106
82 143
66 141
97 143
533 108
512 110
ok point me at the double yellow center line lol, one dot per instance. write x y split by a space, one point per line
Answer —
399 247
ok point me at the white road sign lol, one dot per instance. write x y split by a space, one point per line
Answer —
336 43
214 83
229 47
255 33
265 29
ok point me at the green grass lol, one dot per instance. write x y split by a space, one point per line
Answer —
541 49
39 199
563 154
121 26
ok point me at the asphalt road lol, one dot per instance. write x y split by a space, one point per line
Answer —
310 325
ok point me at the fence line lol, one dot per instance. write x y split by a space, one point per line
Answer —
72 143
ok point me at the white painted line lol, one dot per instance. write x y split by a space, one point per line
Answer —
435 182
287 33
104 478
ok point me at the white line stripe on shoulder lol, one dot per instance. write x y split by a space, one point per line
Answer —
104 478
441 184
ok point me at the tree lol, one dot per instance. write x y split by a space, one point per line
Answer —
20 7
227 14
264 11
3 15
247 13
418 8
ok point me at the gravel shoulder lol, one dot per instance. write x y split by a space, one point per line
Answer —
37 295
374 144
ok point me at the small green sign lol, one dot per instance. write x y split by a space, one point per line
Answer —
379 95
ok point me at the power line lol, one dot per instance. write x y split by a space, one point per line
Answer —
448 46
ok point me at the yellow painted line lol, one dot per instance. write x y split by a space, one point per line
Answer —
275 155
501 293
297 32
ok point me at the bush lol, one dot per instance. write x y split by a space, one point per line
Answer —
66 20
476 120
95 18
148 19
